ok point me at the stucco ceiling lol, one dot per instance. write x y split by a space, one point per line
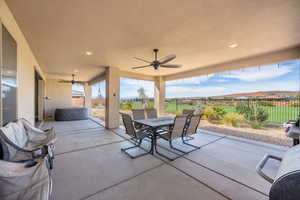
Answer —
197 31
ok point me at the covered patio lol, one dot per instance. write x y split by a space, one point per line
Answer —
90 165
53 45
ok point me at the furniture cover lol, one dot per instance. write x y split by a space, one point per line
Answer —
71 114
25 161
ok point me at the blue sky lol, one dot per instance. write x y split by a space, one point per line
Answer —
282 76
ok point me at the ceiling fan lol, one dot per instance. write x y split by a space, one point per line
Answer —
72 81
158 63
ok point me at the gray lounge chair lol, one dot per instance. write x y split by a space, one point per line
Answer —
136 135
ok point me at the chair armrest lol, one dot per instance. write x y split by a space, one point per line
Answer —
48 137
261 165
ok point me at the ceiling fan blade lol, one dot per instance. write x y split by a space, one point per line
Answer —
141 67
79 82
171 66
142 59
64 81
167 59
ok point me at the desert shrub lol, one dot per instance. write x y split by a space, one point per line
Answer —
199 109
127 106
255 115
211 115
220 111
255 125
233 119
258 114
150 106
242 108
95 105
295 104
178 112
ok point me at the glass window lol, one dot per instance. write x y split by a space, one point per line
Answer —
9 77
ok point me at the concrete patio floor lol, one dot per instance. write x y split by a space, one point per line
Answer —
89 165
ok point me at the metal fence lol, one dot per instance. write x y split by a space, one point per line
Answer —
279 109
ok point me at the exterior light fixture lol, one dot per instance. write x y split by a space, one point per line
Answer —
233 45
88 53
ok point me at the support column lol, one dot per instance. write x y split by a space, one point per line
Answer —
160 95
112 118
88 97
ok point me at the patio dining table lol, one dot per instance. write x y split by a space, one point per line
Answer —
155 124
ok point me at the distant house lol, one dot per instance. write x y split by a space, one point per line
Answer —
77 94
98 101
242 98
78 98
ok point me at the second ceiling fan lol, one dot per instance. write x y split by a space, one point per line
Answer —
157 63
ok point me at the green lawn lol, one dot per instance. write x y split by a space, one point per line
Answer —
277 114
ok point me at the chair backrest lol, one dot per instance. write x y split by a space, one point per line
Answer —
187 112
14 138
192 125
16 133
128 123
138 114
151 113
179 126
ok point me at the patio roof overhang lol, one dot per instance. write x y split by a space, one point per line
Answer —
258 60
198 32
69 36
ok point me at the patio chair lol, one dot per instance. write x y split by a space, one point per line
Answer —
191 128
151 113
21 141
136 135
138 114
177 131
187 112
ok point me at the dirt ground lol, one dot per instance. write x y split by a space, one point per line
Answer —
271 133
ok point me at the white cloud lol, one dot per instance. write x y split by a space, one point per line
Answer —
185 91
129 87
193 80
256 73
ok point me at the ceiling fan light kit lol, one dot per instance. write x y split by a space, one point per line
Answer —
157 63
72 81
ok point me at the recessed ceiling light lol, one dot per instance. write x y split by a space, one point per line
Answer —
233 45
88 53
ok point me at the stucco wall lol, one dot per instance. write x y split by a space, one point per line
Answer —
59 94
26 63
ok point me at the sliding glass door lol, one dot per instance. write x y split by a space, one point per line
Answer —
8 77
